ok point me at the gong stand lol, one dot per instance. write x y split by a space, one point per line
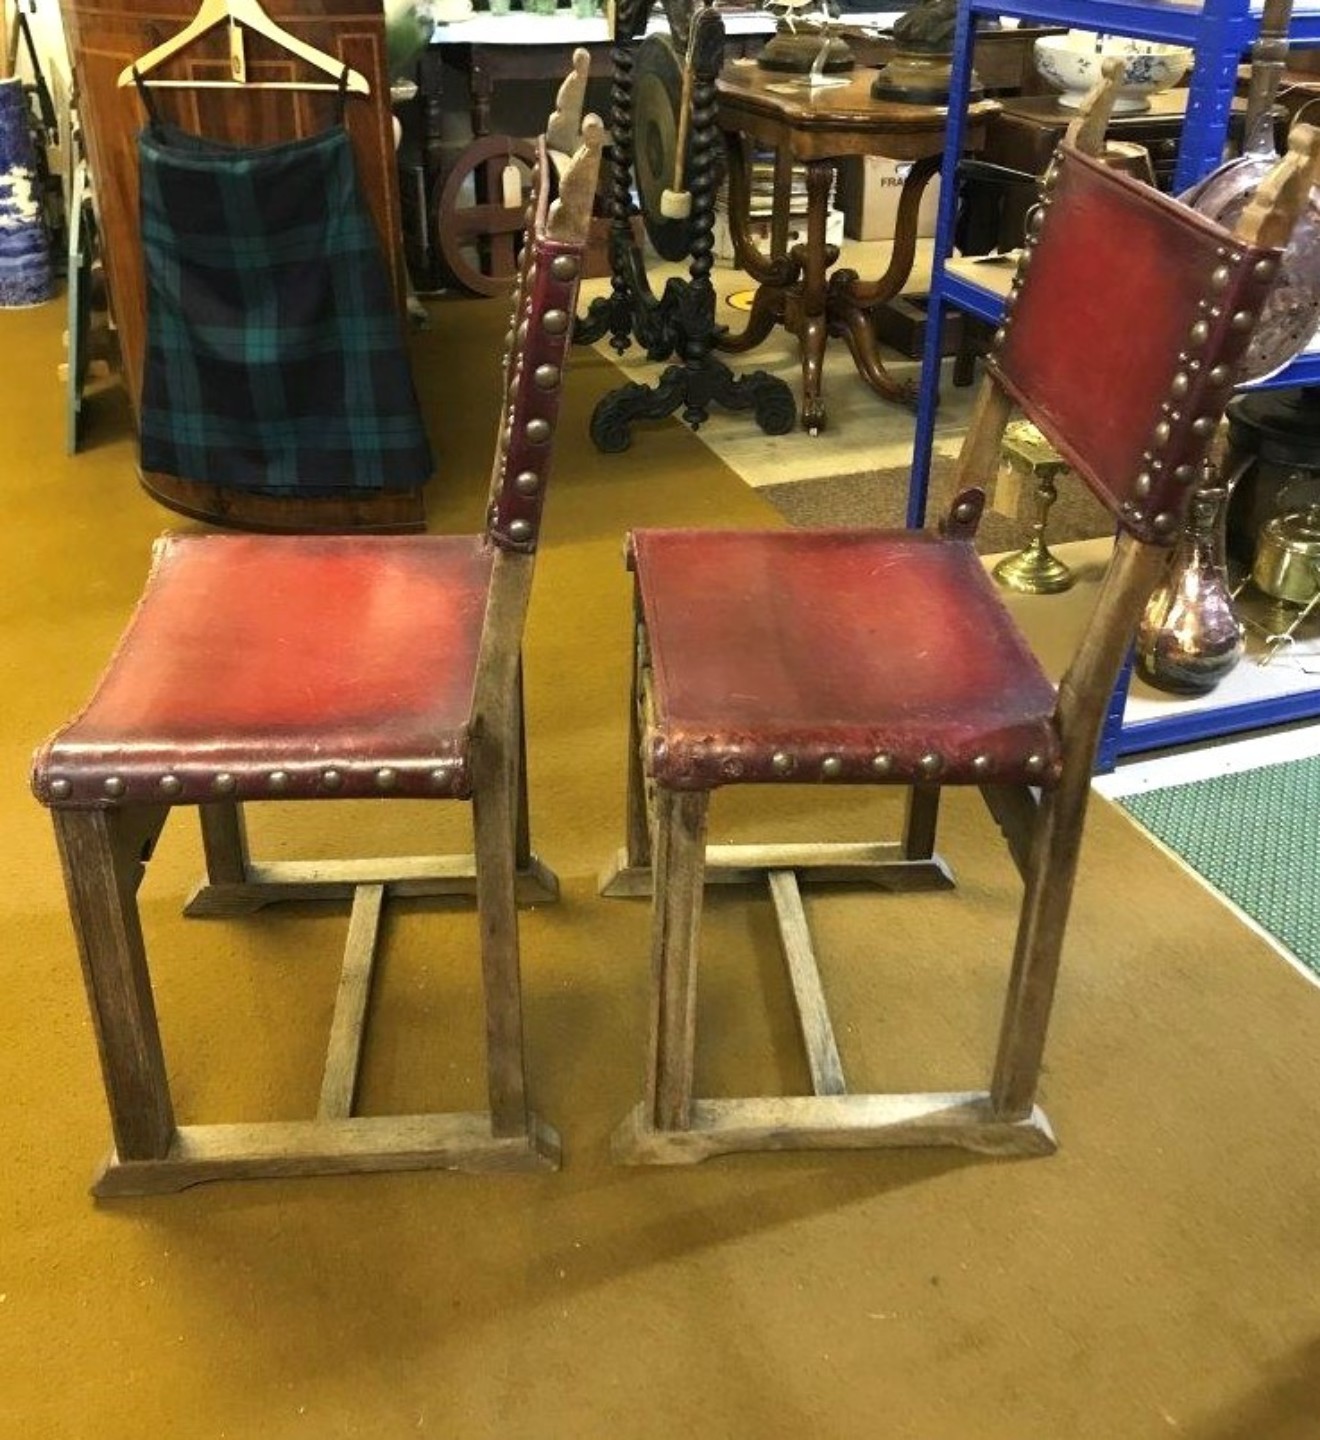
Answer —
681 321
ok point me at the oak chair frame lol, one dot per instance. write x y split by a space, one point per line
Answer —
106 827
666 854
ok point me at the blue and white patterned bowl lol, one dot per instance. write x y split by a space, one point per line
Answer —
1072 63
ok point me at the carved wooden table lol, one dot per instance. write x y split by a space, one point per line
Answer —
794 286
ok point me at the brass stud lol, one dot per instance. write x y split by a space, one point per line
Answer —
224 783
1141 485
1200 333
439 779
781 762
386 778
114 786
1024 261
1204 425
1220 375
981 764
522 339
170 785
931 763
332 779
1035 764
1163 523
555 322
1011 298
528 483
546 376
60 789
882 763
520 530
1162 432
831 767
1242 320
1220 276
1184 474
1264 269
538 431
1000 336
278 780
564 267
965 512
1182 383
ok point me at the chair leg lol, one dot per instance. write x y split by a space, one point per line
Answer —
675 932
630 875
224 842
102 870
494 811
1051 872
920 822
523 824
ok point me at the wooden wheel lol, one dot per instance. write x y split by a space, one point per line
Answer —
478 233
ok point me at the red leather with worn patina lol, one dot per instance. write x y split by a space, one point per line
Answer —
1124 338
775 654
323 660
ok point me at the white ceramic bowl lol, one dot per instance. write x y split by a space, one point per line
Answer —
1072 63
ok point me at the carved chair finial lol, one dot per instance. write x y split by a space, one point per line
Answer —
565 123
570 215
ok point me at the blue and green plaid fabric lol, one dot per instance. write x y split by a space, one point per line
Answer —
275 353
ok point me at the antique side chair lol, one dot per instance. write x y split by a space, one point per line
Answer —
325 668
871 657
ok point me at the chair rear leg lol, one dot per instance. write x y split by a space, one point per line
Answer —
675 933
523 832
102 869
494 818
1051 872
224 842
920 822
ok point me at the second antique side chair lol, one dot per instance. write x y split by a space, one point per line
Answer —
318 668
872 657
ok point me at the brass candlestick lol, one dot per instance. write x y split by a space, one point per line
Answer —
1034 570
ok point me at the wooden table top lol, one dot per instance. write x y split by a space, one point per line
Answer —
834 121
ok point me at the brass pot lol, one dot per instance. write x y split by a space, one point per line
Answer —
1287 563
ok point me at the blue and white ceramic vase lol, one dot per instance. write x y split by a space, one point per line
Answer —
25 269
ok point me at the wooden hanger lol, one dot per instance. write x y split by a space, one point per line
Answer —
240 15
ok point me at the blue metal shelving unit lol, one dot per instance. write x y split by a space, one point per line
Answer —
1220 31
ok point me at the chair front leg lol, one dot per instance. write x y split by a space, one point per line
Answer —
680 851
102 867
494 817
1051 872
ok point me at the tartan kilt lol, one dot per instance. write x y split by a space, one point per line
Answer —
275 357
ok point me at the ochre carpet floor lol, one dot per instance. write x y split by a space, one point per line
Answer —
1156 1278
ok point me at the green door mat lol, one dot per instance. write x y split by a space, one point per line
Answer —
1255 836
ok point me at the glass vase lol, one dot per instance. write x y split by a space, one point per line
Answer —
1190 636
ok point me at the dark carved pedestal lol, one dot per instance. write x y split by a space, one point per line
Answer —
681 320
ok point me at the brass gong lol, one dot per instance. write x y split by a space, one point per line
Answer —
657 95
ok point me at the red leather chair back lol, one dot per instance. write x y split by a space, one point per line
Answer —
544 300
1126 367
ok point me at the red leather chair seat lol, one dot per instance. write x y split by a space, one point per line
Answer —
839 655
306 666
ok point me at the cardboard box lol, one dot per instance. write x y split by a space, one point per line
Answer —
868 191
